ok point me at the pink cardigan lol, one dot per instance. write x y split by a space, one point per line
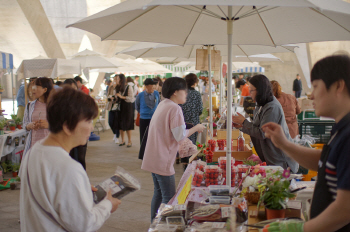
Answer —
166 130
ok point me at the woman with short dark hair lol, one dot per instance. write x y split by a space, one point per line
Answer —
34 119
55 189
166 130
268 110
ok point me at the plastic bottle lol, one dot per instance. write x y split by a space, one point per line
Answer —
240 142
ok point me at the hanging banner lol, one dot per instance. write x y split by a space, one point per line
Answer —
202 60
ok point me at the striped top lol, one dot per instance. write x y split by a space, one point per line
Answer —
331 178
39 113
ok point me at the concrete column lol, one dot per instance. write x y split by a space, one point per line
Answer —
42 28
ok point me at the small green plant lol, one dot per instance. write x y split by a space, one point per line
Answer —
18 121
12 124
18 179
250 162
13 116
2 124
7 166
15 167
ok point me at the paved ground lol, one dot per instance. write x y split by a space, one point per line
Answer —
102 159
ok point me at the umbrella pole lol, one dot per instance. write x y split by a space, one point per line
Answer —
229 98
210 94
13 96
220 90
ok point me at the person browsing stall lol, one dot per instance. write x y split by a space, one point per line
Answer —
330 207
244 88
81 87
56 194
166 130
268 110
146 104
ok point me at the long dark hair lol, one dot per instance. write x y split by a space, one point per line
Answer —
264 93
45 83
121 85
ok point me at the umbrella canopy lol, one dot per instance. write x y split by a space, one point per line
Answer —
92 60
147 50
205 21
48 67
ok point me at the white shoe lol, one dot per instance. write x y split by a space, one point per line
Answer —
116 140
114 137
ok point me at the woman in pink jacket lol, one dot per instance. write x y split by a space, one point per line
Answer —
166 130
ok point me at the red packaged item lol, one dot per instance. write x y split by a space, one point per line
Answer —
198 178
212 175
200 165
209 156
221 144
240 142
212 144
241 170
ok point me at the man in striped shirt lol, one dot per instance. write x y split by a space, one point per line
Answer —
330 208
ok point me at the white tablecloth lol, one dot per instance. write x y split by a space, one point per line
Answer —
7 149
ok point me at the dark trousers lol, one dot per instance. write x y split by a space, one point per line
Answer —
297 94
78 153
144 123
112 123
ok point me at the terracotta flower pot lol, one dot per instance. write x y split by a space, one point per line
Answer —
275 213
13 128
14 174
19 126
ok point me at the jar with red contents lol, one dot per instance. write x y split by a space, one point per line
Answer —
212 175
198 178
221 144
212 144
209 156
200 165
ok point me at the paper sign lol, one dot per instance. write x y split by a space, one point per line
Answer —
219 225
225 212
181 199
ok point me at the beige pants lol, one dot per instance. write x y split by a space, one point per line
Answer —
20 112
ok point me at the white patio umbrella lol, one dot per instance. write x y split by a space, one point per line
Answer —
6 66
252 22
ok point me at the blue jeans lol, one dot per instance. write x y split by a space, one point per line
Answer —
164 190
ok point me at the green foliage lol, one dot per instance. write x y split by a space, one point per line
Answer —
250 162
13 116
276 192
12 124
2 123
18 121
7 166
204 115
15 167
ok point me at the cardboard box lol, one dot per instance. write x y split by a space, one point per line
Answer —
221 134
293 209
238 155
305 104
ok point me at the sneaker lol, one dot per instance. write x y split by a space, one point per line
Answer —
116 140
114 137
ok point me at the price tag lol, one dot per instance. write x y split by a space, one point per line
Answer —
180 207
219 225
225 212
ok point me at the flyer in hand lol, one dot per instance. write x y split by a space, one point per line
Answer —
121 184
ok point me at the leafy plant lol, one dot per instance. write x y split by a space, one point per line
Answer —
18 121
13 116
2 124
7 166
276 190
12 124
18 179
15 167
250 162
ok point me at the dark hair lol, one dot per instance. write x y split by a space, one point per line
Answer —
59 83
248 79
276 89
137 76
239 83
160 82
332 69
173 84
78 78
69 106
122 83
70 81
191 79
263 89
45 83
129 79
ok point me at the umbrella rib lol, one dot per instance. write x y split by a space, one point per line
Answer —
209 13
193 27
238 11
239 46
254 13
190 52
266 29
196 11
222 11
330 19
144 52
129 22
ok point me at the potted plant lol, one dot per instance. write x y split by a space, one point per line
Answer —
12 126
15 169
2 126
276 194
18 122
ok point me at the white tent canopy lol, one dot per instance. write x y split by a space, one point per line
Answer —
92 60
48 67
